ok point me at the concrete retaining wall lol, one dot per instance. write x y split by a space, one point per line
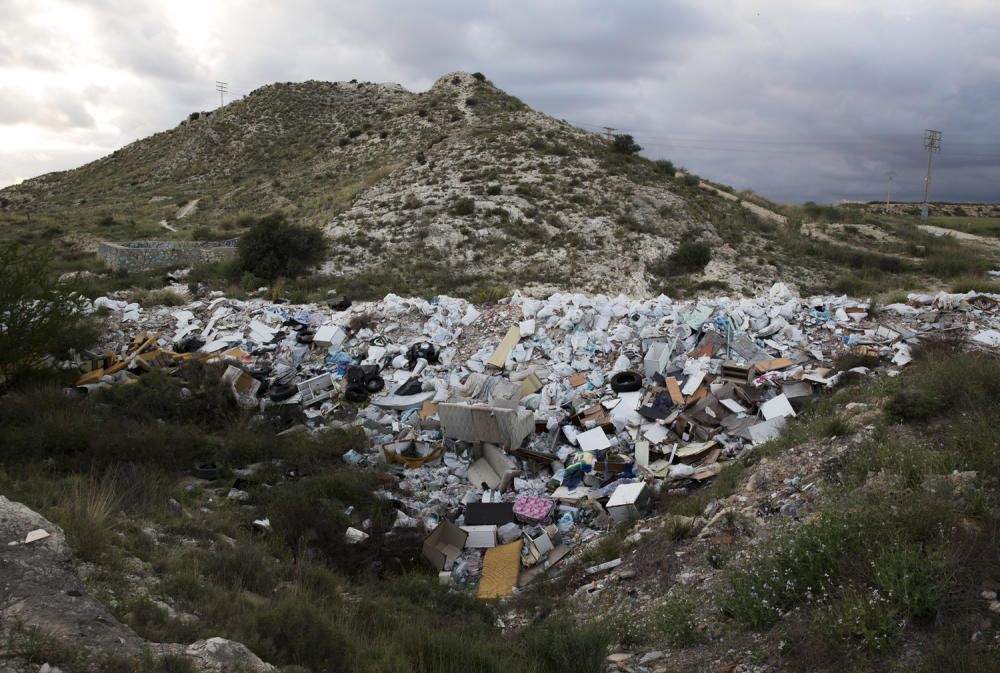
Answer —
145 255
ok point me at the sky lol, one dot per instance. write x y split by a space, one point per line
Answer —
797 100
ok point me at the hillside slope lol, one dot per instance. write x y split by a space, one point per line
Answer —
451 190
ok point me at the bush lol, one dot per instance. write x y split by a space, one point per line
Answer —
37 314
625 144
463 206
665 166
689 257
691 180
480 76
274 248
302 634
205 234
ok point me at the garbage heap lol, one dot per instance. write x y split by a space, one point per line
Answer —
522 431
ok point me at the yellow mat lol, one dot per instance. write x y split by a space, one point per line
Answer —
500 570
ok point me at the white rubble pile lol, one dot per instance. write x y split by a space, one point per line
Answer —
566 417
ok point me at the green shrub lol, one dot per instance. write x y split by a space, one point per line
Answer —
274 248
691 180
625 144
38 315
294 631
666 167
675 621
688 257
557 644
463 206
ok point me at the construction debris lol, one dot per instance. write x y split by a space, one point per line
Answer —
522 431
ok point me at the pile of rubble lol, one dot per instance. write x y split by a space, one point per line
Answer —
521 431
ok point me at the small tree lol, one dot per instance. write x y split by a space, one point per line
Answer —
625 144
275 248
38 315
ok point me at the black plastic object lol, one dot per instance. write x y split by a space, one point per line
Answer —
206 470
189 344
626 382
363 379
305 337
281 391
489 513
341 303
374 384
411 387
355 375
422 349
356 393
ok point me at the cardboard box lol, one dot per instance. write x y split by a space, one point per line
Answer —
493 468
481 537
628 501
444 545
656 360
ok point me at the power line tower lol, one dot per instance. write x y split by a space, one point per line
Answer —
889 175
222 88
932 143
609 131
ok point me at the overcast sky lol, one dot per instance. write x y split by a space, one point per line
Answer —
796 99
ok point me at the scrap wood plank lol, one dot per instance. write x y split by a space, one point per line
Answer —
763 366
500 355
675 391
501 567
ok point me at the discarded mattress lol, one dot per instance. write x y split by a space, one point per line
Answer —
501 567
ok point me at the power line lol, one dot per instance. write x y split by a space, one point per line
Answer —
725 142
932 143
222 88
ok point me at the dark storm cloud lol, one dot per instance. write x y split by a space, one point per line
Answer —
796 100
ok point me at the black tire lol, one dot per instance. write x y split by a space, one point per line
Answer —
374 384
282 391
626 382
206 470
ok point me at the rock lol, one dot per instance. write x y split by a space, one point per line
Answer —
989 595
227 655
650 657
41 587
995 606
619 658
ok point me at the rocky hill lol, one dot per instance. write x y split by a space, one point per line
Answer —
462 176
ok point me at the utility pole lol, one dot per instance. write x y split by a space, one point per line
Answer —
608 131
889 175
222 88
932 143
